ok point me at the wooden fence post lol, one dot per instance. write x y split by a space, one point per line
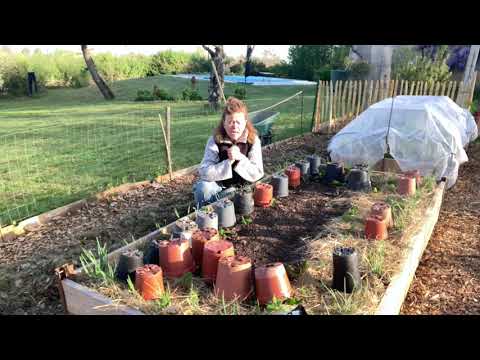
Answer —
317 108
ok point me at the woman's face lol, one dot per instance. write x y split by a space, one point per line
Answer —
234 125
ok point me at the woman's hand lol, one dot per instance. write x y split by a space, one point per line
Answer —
234 154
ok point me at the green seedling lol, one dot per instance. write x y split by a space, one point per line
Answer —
351 214
97 266
246 220
176 213
165 299
375 258
185 281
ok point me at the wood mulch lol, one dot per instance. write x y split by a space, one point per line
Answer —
447 280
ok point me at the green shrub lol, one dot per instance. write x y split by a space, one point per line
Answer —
239 93
161 94
358 70
144 95
170 62
191 95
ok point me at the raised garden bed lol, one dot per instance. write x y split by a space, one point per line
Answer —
301 231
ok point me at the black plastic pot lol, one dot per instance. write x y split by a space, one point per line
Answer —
334 172
359 180
315 162
226 213
280 185
127 264
304 167
243 201
346 275
151 255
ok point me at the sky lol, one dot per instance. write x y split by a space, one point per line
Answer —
230 50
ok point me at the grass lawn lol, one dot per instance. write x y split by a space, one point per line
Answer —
65 144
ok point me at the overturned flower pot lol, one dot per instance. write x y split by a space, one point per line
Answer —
243 201
334 172
406 186
234 278
226 213
207 218
315 162
346 275
176 258
304 167
199 239
359 180
415 174
212 252
184 226
151 255
271 281
376 228
294 176
128 262
263 194
149 281
383 210
280 185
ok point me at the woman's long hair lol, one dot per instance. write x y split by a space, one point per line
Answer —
232 106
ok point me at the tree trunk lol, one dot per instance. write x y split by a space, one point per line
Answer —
101 84
214 91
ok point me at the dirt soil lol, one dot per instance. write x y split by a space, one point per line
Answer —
27 263
297 218
447 280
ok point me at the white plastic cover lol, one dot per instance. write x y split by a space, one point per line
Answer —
427 133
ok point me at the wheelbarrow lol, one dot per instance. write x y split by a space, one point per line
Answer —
263 122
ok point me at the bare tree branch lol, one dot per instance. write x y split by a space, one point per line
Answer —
210 51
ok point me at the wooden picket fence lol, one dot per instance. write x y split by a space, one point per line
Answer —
337 104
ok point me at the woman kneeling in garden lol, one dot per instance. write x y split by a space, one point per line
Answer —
233 156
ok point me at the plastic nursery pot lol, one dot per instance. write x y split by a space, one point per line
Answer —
263 194
176 258
376 228
359 180
406 185
151 255
334 171
207 219
415 174
234 278
383 210
226 213
149 281
212 252
128 262
293 174
346 275
304 167
271 281
199 239
243 202
184 226
280 185
315 162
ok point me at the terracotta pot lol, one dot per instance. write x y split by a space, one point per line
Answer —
199 238
415 174
359 180
406 185
243 202
383 210
207 219
346 275
271 281
263 194
315 162
176 258
128 262
477 118
226 213
234 278
280 185
212 252
376 228
293 174
149 281
334 172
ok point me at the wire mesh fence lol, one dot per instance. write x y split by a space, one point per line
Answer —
44 167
